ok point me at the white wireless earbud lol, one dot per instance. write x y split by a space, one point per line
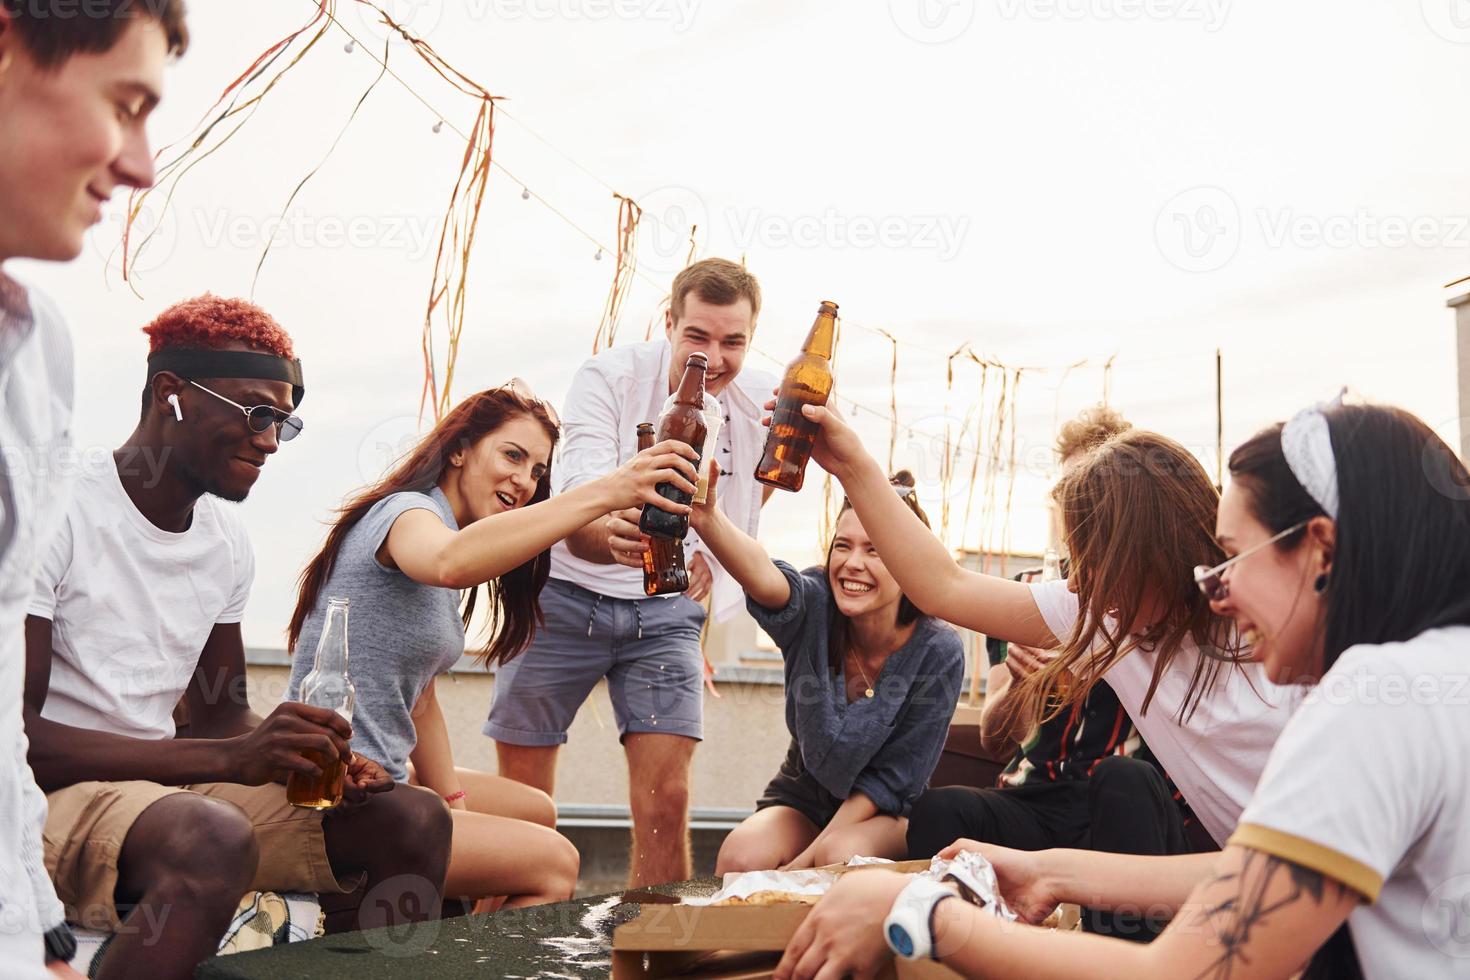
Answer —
174 401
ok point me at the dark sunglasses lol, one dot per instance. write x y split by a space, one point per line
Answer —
1209 579
262 417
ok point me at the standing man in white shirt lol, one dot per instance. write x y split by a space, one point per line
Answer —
599 622
76 90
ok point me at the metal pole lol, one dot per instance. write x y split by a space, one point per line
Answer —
1219 422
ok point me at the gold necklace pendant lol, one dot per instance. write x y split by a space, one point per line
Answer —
868 693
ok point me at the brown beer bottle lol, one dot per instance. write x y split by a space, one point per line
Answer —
663 563
327 686
808 381
683 421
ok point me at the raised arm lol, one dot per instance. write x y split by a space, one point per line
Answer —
917 559
426 550
740 554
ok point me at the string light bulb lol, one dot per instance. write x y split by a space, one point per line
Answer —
438 125
598 256
525 194
350 46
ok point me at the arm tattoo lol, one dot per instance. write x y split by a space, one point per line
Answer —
1236 917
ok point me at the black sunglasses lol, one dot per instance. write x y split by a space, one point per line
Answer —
262 417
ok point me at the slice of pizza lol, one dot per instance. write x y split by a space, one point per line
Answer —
772 898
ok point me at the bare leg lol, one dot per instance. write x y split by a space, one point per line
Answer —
880 836
765 840
658 783
400 840
183 867
502 797
527 862
534 765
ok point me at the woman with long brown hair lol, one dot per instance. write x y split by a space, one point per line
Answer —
1135 511
470 505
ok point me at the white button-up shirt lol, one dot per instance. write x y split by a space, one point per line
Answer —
35 412
611 393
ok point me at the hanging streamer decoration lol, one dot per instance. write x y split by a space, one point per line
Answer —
892 399
229 113
626 266
243 96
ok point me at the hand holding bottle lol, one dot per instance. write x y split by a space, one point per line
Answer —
635 482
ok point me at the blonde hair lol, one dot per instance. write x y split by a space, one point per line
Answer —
1089 430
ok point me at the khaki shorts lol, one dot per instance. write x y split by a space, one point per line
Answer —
86 825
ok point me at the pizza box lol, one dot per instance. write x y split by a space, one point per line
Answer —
730 942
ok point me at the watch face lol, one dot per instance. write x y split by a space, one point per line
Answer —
901 942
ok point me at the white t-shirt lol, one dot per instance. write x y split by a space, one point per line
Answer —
1370 785
131 606
1217 754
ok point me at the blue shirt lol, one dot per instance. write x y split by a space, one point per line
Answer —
886 746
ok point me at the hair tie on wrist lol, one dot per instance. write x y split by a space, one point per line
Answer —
455 797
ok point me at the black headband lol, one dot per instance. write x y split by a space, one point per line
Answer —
188 363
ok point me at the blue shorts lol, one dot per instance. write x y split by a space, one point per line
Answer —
648 649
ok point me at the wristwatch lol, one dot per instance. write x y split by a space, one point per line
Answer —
61 944
909 928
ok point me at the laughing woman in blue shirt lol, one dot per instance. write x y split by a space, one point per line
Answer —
871 686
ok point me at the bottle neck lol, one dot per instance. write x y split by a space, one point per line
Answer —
691 386
823 336
331 649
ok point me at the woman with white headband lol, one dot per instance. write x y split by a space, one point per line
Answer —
1348 531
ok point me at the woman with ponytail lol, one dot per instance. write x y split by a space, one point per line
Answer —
467 507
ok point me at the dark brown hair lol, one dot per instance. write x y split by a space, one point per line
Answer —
1138 513
1401 556
515 611
55 30
839 627
717 281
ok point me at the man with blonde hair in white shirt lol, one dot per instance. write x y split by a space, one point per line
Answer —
599 622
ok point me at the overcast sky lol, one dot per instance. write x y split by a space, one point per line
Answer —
1049 180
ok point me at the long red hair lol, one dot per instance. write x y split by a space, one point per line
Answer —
515 610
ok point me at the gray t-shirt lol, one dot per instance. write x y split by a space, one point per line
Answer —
400 633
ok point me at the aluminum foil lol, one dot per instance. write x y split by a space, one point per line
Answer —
976 878
743 884
968 869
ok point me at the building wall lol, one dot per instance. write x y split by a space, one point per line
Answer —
745 738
